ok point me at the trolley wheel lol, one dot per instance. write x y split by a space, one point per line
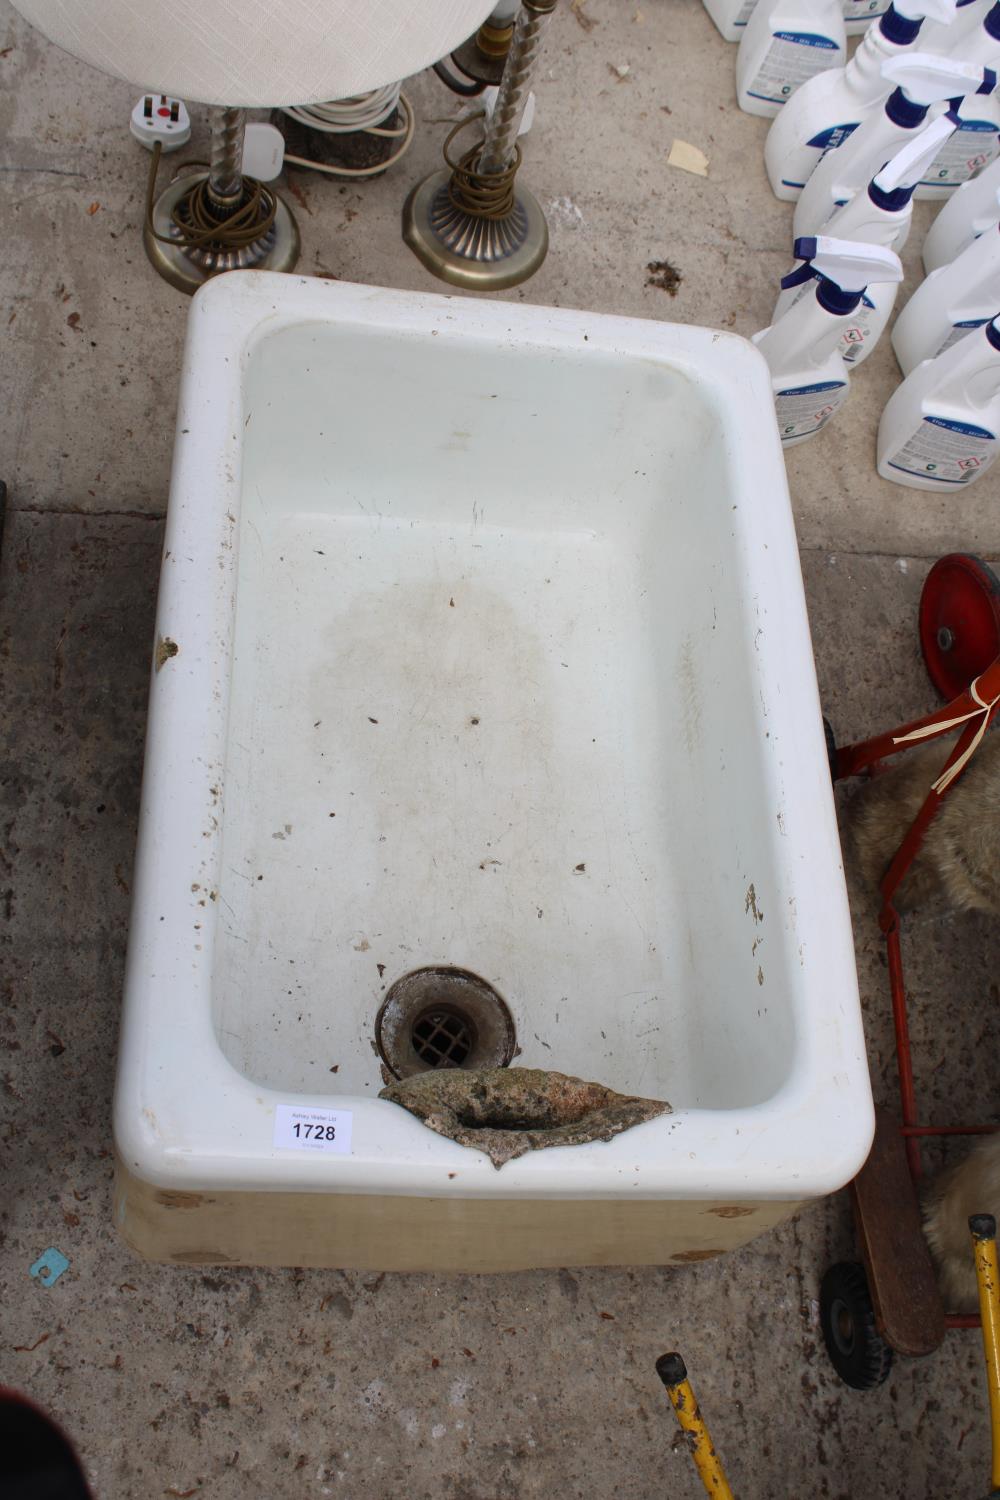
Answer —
858 1352
959 621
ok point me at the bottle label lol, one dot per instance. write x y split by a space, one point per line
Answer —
854 338
864 10
834 136
946 451
792 58
958 331
746 12
973 145
804 158
803 409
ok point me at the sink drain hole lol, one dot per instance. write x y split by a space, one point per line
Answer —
443 1018
442 1039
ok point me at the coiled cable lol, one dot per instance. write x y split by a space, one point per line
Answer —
360 113
195 224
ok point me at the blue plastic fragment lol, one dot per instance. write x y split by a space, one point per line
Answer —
49 1266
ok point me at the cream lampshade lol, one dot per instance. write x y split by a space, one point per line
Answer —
257 53
241 54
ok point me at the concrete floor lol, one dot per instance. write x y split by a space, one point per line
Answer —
284 1383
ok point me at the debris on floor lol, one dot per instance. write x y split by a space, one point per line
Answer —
663 275
689 158
580 15
49 1266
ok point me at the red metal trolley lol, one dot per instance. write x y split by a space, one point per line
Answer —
891 1301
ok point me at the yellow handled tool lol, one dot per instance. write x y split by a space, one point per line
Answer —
983 1228
673 1372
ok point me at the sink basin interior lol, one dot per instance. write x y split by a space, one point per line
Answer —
496 703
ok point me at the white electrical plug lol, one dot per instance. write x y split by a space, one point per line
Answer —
263 151
157 117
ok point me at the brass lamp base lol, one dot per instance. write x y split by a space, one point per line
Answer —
481 254
187 270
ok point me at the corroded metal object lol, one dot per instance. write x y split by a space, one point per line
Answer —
507 1112
442 1017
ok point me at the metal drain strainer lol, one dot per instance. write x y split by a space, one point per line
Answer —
443 1018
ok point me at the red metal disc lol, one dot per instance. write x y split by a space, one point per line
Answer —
959 621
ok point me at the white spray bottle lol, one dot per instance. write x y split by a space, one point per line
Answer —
940 428
808 376
859 14
969 212
879 216
937 36
957 297
824 111
730 16
954 39
784 44
921 80
976 142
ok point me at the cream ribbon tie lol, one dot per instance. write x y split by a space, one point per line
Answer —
941 726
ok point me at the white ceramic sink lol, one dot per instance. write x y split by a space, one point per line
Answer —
491 652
